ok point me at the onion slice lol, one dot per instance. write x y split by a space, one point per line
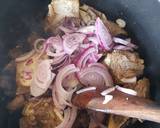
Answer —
54 46
95 75
43 78
67 114
85 54
72 41
122 47
60 62
121 41
36 91
85 90
103 34
124 42
129 80
126 90
64 96
66 30
87 29
107 91
70 115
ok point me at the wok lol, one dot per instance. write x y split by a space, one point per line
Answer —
19 18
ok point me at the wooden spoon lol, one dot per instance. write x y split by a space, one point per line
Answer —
122 104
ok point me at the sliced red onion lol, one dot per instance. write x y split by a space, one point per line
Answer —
43 73
84 55
55 99
97 76
107 99
70 115
72 41
84 46
66 30
126 90
129 80
60 62
107 91
89 77
122 47
120 41
98 56
87 29
71 23
63 95
85 61
103 34
43 78
85 90
94 57
54 46
36 91
70 81
67 114
124 42
98 65
25 56
94 40
58 59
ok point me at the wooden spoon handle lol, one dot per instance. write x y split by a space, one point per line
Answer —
121 104
136 109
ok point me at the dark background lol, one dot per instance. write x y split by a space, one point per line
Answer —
18 18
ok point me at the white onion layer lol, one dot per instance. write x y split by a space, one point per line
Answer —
86 89
107 91
126 90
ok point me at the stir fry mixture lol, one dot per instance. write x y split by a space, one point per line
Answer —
85 52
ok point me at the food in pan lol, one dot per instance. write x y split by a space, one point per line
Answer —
85 50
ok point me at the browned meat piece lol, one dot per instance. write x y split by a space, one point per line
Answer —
86 13
114 28
58 9
40 113
88 16
124 65
71 22
25 70
142 87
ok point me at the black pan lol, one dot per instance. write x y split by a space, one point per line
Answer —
18 18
